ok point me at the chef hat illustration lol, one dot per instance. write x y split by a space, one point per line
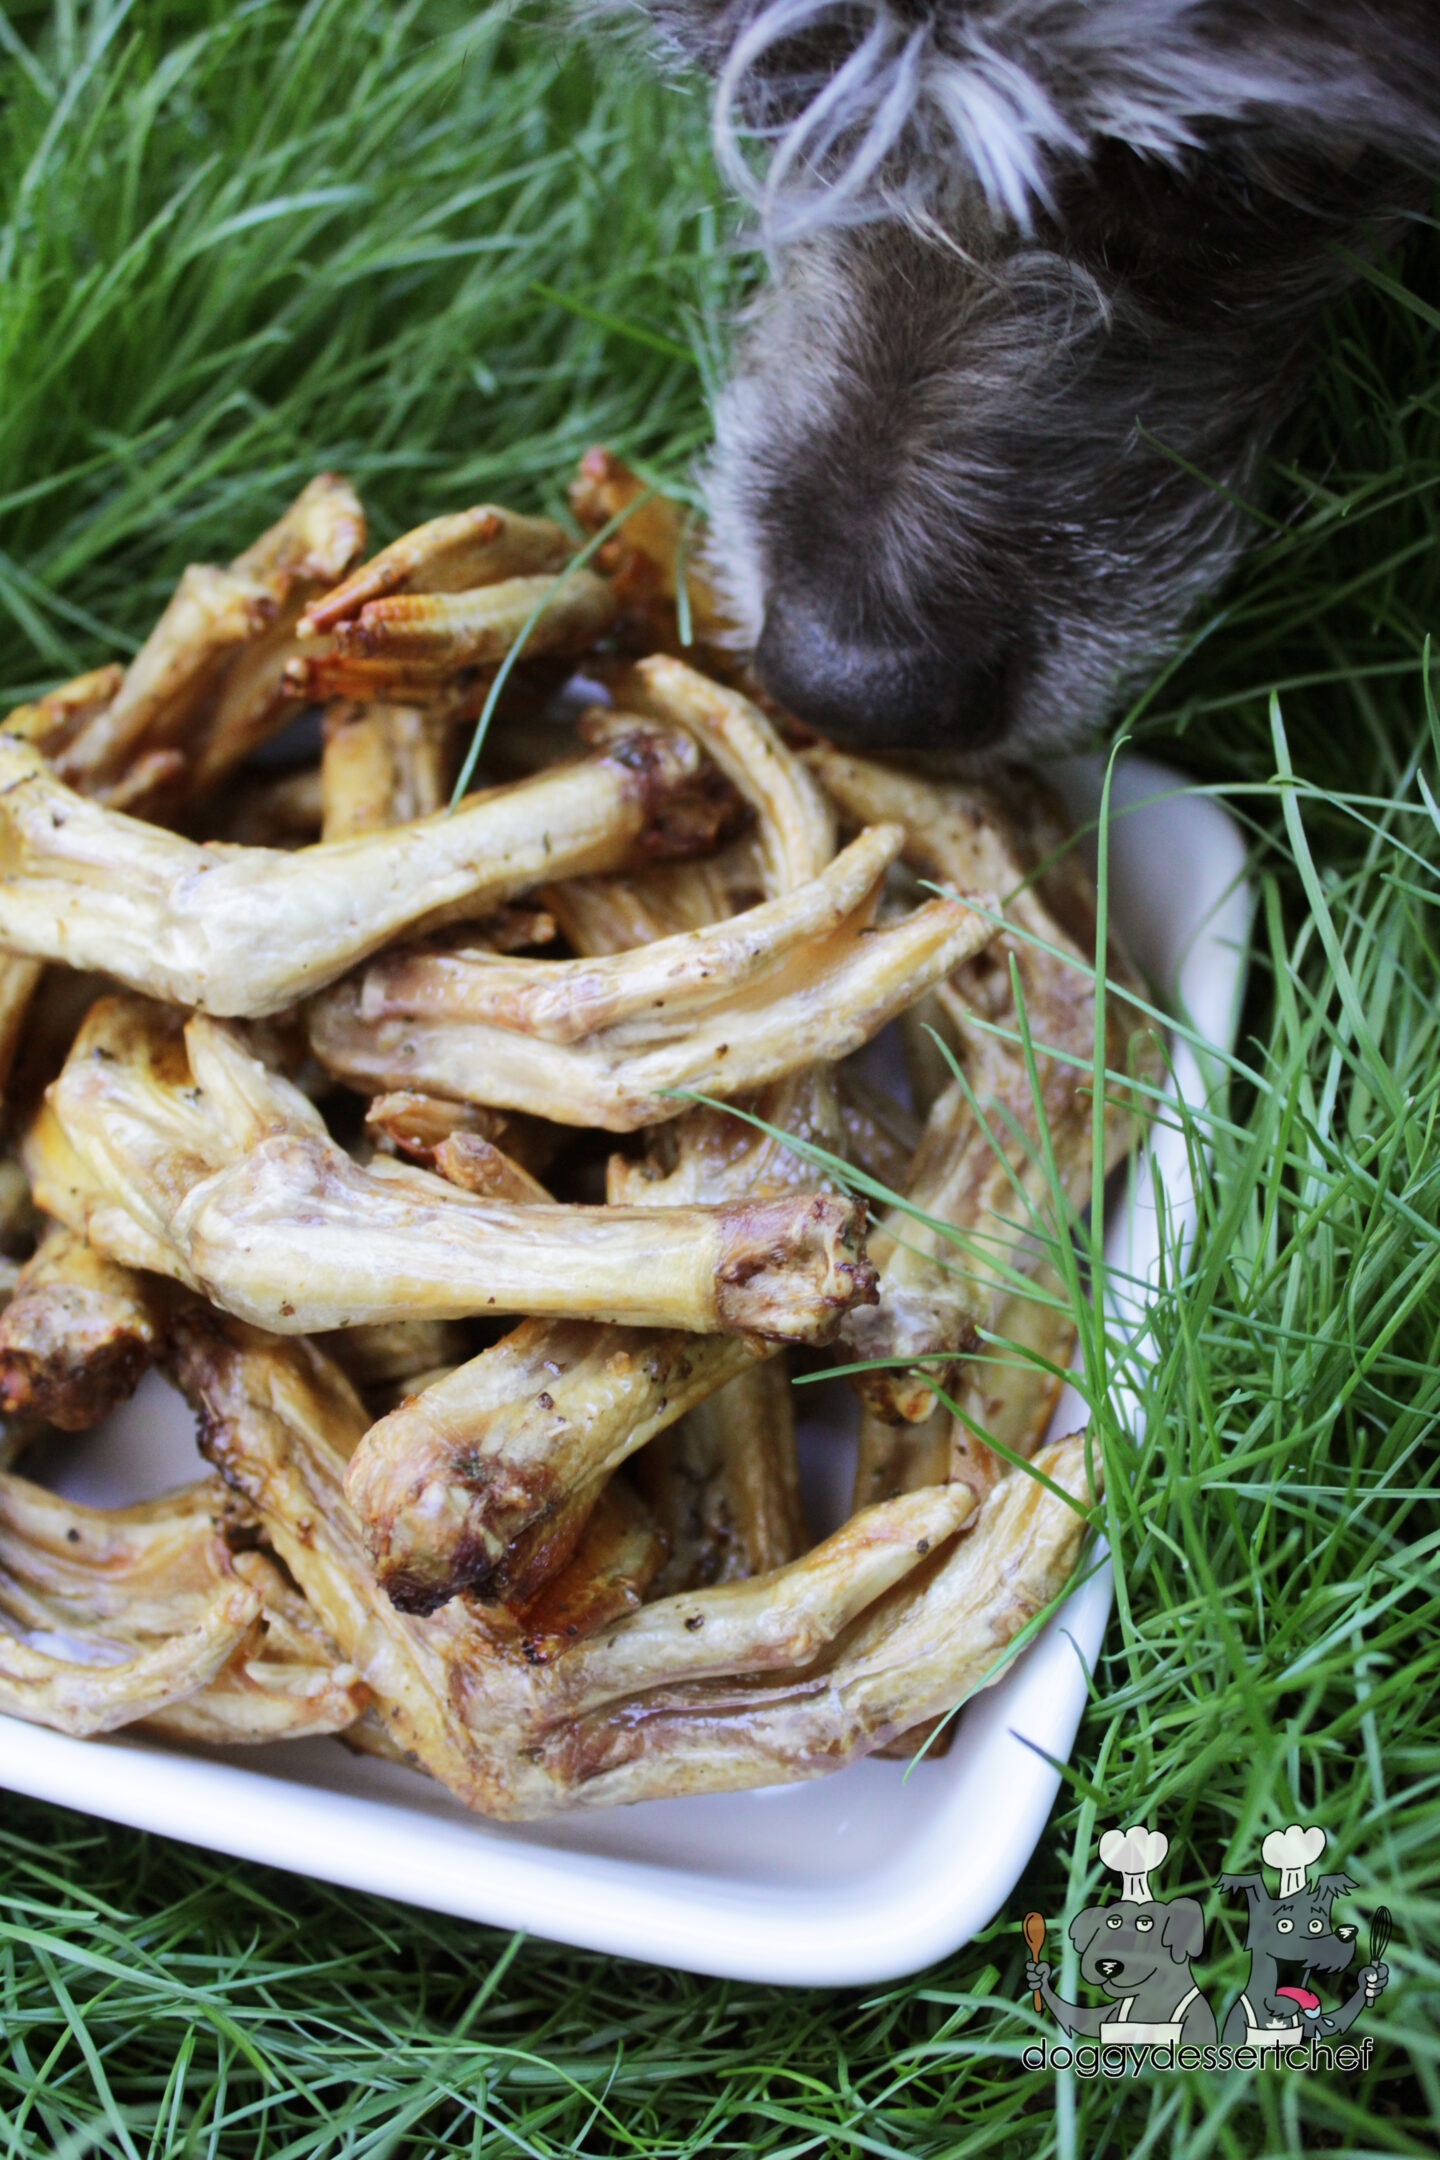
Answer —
1132 1853
1292 1851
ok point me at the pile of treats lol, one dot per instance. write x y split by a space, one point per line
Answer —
373 1125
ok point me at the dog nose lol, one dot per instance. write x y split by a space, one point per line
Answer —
1109 1968
871 692
1346 1934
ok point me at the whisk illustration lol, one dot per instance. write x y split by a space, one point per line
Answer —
1381 1928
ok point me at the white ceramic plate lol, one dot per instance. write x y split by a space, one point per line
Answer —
857 1878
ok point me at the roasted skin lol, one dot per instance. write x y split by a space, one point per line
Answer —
787 1676
249 930
488 1479
981 1210
449 554
649 559
146 1615
723 1011
175 1149
139 1607
571 1570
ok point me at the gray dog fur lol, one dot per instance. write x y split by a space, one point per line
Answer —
1136 1952
1044 274
1291 1940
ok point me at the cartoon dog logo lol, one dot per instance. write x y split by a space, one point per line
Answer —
1291 1939
1138 1952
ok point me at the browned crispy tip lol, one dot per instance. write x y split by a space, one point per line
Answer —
690 803
761 1246
77 1335
313 678
207 685
480 546
518 1442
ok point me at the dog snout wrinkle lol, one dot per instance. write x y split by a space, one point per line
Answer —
869 691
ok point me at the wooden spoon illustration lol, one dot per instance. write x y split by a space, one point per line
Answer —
1035 1943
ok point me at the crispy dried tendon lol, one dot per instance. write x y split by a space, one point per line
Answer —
483 546
796 981
724 1484
249 930
448 1482
914 1655
77 1334
829 1656
987 1191
197 1161
113 1616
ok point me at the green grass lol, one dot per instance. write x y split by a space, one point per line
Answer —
240 241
